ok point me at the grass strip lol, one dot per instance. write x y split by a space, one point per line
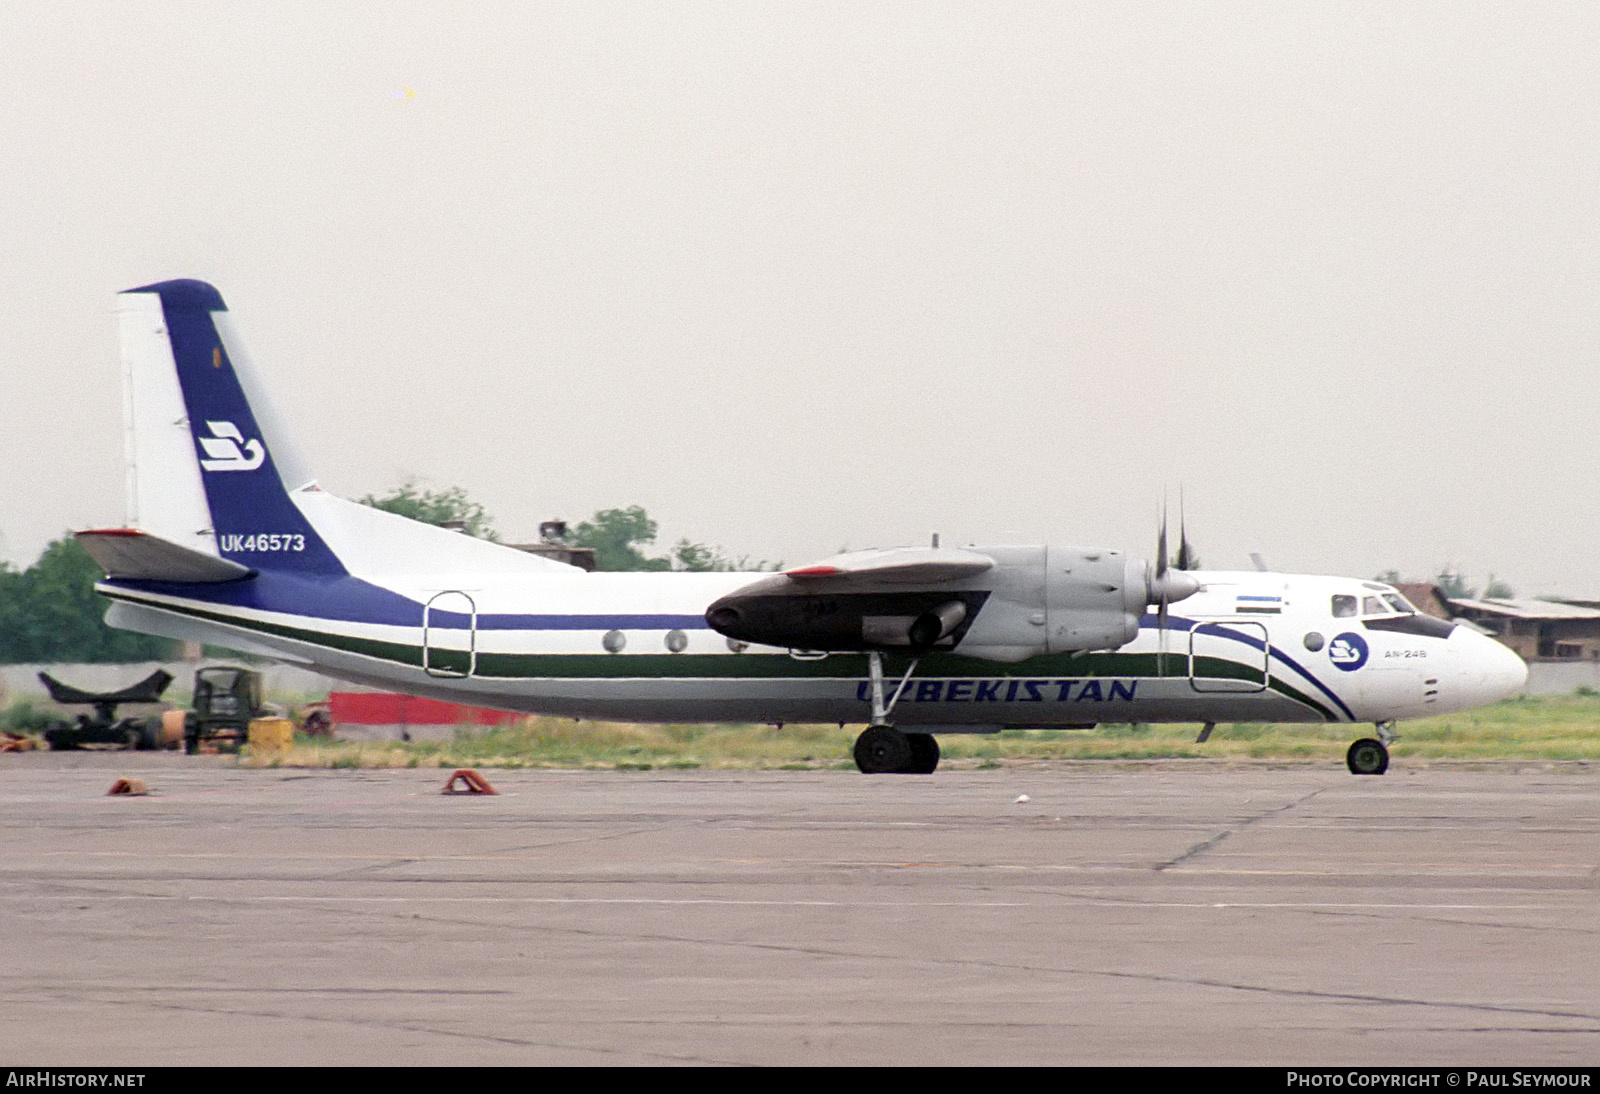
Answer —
1525 728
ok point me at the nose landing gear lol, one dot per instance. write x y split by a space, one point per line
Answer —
1370 756
1367 756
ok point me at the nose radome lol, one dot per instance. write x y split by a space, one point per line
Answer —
1501 673
1509 672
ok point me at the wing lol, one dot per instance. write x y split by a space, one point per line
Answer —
893 566
1031 600
916 597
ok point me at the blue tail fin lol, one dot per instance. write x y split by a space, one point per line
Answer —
247 467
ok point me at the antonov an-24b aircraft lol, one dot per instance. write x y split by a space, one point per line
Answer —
231 542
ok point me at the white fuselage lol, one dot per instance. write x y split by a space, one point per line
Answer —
1248 647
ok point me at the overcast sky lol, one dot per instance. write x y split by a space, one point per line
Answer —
798 277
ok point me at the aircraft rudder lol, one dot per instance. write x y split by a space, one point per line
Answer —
236 458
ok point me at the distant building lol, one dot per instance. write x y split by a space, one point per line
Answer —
1539 630
553 545
581 557
1426 596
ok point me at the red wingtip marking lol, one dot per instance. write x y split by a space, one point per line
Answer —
813 571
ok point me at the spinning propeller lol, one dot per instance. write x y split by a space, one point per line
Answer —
1170 582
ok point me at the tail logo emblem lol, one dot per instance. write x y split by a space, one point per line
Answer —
223 446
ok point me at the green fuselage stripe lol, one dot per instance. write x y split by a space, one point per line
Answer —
730 666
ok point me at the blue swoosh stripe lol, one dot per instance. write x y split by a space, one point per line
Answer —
582 622
1222 630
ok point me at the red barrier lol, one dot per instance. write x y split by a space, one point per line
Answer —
357 708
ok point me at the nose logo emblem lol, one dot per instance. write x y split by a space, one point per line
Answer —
1348 651
223 448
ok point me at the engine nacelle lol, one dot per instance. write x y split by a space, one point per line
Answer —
779 611
1032 600
1058 600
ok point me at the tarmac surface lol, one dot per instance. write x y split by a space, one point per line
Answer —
1168 913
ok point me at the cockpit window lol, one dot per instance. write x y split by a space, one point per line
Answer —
1371 605
1399 603
1344 607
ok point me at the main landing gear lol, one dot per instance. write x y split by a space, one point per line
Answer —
884 750
1370 756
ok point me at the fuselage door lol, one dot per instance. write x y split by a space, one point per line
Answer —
450 635
1229 657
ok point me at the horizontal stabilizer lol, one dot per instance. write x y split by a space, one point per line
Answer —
130 553
147 690
897 566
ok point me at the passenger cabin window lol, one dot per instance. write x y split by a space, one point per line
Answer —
1344 607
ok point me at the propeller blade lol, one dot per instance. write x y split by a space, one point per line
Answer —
1161 542
1186 559
1161 594
1161 638
1167 583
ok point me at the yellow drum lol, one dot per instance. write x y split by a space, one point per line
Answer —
268 735
171 735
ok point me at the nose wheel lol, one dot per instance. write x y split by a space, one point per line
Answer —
1368 756
884 750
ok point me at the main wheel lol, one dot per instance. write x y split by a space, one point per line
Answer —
882 750
924 753
1367 756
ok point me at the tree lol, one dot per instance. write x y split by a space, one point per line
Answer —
616 535
449 506
699 557
1454 587
50 612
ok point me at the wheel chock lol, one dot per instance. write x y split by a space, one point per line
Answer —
471 783
132 787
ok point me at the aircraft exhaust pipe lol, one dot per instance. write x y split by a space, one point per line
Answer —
931 626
